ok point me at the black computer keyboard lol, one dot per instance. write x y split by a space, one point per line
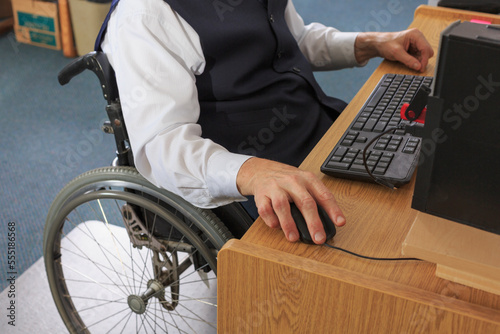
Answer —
394 156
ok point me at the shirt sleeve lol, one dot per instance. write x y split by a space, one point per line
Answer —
156 56
326 48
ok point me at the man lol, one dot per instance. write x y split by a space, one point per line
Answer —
221 103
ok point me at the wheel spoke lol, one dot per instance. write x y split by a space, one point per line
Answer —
105 286
109 317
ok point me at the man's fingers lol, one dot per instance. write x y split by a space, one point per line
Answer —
276 214
309 209
326 200
404 55
412 62
419 49
282 210
266 212
424 53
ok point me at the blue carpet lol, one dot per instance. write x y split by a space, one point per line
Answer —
48 133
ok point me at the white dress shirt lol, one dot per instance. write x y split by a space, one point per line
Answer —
156 55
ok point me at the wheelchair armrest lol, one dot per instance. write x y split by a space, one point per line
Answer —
98 63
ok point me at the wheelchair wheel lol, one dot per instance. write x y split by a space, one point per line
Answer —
123 256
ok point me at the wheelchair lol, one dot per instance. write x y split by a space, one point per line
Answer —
124 256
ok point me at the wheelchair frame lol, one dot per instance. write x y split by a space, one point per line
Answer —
170 237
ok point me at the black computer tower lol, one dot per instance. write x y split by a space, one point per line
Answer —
458 177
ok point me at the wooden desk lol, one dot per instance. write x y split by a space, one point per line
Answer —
268 285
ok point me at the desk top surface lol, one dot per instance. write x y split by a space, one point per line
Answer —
378 219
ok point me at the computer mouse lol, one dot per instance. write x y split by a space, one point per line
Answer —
301 224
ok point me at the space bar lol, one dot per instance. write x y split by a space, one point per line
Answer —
376 96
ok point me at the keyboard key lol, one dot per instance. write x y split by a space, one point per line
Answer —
351 155
347 142
397 138
371 163
382 164
353 150
380 127
338 165
392 148
376 97
351 136
379 171
361 140
409 150
386 159
340 151
358 168
358 126
370 124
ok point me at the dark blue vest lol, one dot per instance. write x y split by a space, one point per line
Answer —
257 94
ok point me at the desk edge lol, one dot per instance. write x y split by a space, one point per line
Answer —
371 283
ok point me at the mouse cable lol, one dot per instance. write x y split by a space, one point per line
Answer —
413 128
378 180
373 258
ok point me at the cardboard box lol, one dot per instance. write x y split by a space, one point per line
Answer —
36 22
87 18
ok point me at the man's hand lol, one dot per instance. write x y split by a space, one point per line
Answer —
408 47
274 185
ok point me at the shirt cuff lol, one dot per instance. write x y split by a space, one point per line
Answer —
346 41
222 171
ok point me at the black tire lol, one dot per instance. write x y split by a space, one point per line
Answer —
100 281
